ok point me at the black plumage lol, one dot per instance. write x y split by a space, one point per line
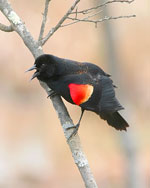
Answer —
84 84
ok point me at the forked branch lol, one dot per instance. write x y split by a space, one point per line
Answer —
76 20
86 11
84 15
58 25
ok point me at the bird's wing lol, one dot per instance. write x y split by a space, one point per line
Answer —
108 102
75 88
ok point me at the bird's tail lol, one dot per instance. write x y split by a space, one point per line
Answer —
115 120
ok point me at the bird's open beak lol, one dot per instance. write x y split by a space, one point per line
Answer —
32 68
35 74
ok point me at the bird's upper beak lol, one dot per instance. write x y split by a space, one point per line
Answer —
35 74
32 68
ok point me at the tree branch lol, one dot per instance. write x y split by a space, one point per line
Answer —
44 20
58 25
36 50
90 13
76 20
74 142
19 26
6 28
86 11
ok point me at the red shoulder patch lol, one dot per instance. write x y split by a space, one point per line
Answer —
80 93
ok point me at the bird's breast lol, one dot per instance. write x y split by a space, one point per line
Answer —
80 93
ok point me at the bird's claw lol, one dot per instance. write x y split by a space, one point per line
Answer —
74 131
52 94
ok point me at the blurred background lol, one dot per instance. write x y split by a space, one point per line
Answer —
33 149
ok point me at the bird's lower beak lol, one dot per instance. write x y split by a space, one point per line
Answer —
32 68
35 75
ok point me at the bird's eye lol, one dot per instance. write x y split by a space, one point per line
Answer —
43 65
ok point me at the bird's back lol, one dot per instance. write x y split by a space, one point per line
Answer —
102 98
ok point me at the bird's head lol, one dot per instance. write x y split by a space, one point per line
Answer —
45 67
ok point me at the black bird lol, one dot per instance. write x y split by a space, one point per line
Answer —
83 84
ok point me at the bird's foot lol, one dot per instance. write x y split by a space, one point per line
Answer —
52 94
74 131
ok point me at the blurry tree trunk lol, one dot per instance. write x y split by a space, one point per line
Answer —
128 139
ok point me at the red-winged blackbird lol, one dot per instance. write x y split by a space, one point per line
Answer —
83 84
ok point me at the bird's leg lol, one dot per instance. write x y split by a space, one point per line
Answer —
52 94
77 125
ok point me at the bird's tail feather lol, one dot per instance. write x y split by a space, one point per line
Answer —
115 120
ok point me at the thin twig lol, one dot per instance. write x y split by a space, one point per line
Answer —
58 25
76 20
86 19
6 28
87 11
44 20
